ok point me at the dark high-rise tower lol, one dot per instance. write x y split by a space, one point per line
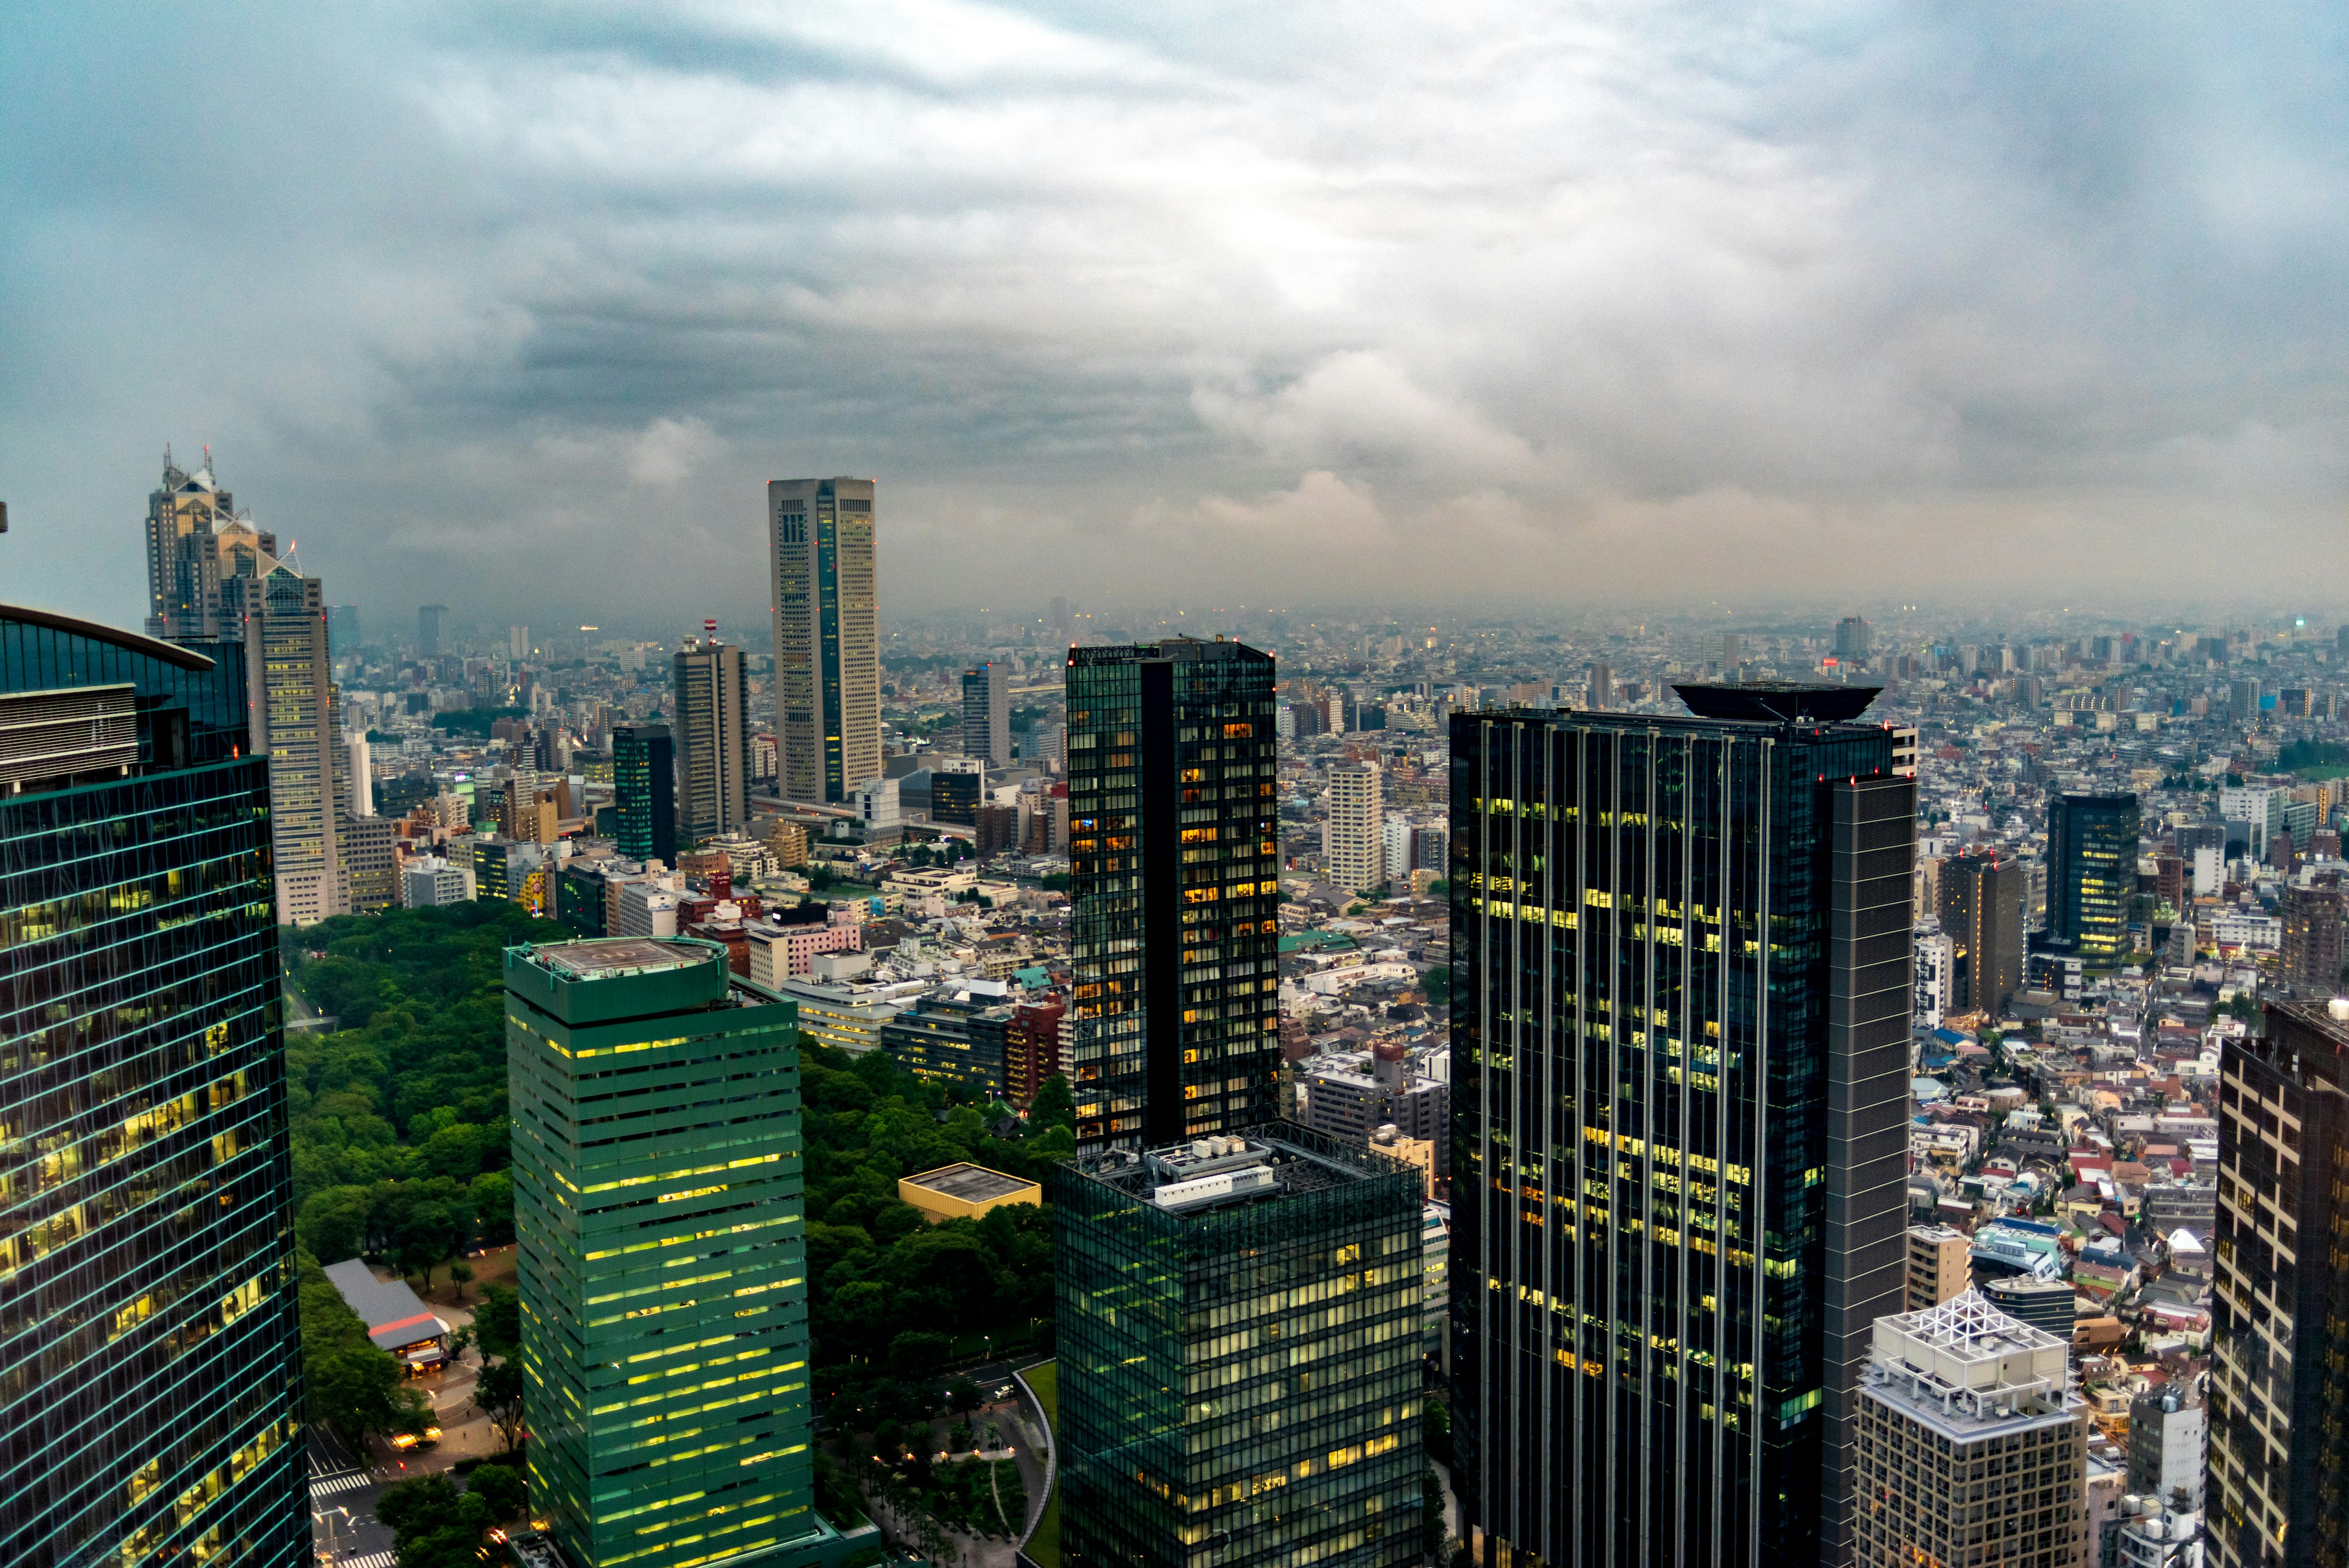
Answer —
1680 987
1982 914
820 550
644 790
1175 874
713 738
2091 874
150 1385
986 715
2279 1471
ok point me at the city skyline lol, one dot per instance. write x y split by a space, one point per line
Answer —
1861 287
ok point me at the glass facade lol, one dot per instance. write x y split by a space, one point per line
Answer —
1680 1056
1239 1377
827 637
150 1377
659 1205
644 788
2092 841
1174 853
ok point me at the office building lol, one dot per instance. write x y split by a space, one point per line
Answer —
1350 1097
358 774
343 630
297 724
954 795
879 807
713 738
2279 1452
996 829
955 1039
1175 876
660 1211
370 851
986 715
2091 875
1982 914
1941 1265
1353 849
2167 1433
1182 1442
1680 1056
149 1370
1854 641
827 637
2314 918
1972 1447
428 629
1034 1047
1598 691
197 550
644 792
431 882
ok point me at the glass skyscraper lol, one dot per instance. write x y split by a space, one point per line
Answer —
661 1209
644 790
713 735
1680 1079
1240 1326
149 1378
827 636
1175 872
2092 842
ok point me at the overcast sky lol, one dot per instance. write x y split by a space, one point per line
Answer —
516 306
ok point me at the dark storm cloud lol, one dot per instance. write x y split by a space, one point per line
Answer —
513 307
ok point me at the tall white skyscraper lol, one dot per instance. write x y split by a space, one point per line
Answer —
361 773
1351 839
827 636
296 724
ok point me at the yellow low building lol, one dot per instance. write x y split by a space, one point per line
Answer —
965 1191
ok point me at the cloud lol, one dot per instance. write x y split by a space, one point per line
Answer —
471 295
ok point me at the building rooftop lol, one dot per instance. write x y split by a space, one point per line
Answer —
1777 701
394 1315
971 1183
1271 1160
618 956
1968 1370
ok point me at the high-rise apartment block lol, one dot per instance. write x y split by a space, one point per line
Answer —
2168 1432
1855 641
1972 1449
986 715
1982 914
2279 1455
358 775
644 792
713 738
150 1369
1239 1323
2314 918
2092 841
827 636
661 1216
1941 1265
1353 844
1679 1045
1175 872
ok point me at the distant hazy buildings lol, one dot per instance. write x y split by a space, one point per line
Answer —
428 629
827 636
713 738
2278 1454
1681 1023
1174 866
986 715
149 1369
1239 1324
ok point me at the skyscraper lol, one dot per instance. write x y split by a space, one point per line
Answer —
660 1213
149 1374
297 724
358 774
1854 641
1598 691
428 629
2314 918
713 738
2278 1474
2092 873
343 629
1680 1054
1982 914
1353 832
196 546
1174 871
986 715
1239 1323
827 636
644 792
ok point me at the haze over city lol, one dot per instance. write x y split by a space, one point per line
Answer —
516 307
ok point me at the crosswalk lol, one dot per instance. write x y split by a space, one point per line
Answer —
372 1560
342 1481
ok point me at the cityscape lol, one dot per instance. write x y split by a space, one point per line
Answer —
1322 917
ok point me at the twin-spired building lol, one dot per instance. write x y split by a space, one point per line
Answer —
827 636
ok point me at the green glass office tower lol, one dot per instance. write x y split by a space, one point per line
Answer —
1240 1330
2091 874
660 1212
1680 1053
150 1380
644 788
1175 868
